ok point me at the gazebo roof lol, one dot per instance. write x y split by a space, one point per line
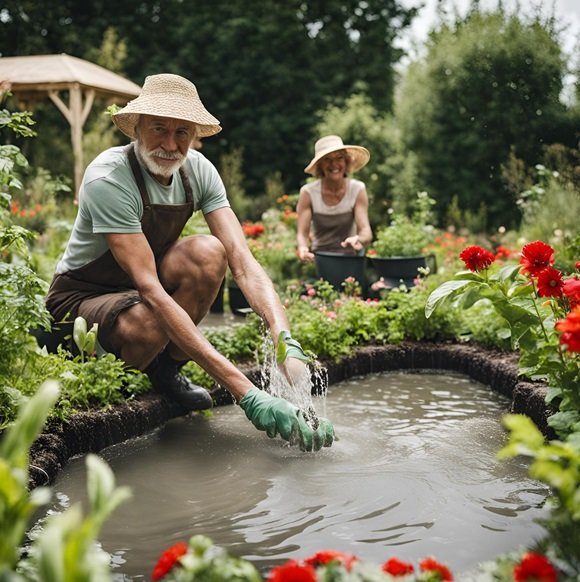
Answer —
43 73
35 78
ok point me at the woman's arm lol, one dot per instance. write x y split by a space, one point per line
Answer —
304 211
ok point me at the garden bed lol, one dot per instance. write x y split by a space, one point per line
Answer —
94 431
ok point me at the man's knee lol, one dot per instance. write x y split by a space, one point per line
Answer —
198 256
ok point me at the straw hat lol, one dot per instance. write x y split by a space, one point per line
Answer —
167 95
331 143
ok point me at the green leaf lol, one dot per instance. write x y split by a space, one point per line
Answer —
20 436
447 289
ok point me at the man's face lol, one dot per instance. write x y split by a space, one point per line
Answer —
162 144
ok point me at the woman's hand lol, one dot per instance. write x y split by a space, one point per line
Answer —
353 242
305 255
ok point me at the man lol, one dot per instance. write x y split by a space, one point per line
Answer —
126 268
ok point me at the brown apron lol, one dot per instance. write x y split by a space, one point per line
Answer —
101 289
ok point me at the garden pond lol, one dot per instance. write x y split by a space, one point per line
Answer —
413 473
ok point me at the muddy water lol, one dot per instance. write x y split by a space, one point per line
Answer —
413 474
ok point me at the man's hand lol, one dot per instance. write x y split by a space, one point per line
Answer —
278 416
292 360
288 347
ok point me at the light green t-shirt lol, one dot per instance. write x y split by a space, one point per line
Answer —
110 202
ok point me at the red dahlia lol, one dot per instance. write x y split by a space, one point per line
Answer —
325 556
534 567
396 567
571 288
168 560
292 571
535 257
570 330
431 565
550 283
476 258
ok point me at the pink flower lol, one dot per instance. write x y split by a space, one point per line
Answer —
311 292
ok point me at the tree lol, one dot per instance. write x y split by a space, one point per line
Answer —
265 68
489 85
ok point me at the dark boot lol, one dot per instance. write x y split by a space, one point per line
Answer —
167 379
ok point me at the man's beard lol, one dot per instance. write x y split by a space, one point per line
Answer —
149 160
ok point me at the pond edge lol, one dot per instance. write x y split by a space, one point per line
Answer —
91 432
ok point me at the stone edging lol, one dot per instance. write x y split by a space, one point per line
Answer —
93 431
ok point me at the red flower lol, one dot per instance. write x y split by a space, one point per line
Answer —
577 265
396 567
534 567
168 560
325 556
550 283
503 252
536 256
570 330
252 230
292 571
431 565
571 289
476 258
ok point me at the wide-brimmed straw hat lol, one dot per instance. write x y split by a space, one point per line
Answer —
167 95
331 143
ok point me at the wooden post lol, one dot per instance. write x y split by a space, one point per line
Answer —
76 114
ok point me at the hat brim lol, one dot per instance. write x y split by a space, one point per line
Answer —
359 157
126 118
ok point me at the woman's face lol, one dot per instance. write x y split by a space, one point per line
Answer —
334 165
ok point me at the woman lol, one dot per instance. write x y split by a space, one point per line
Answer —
333 210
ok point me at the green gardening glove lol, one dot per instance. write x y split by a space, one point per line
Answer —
278 416
288 347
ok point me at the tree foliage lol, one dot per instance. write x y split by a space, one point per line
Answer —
489 85
263 67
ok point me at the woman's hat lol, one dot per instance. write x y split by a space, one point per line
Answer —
167 95
331 143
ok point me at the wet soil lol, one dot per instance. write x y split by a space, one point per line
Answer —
96 430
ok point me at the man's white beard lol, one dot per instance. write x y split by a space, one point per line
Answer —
149 160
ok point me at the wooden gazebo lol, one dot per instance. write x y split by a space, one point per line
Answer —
34 78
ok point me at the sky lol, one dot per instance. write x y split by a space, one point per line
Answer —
567 13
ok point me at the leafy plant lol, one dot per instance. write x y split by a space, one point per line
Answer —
557 464
65 550
201 560
406 236
539 305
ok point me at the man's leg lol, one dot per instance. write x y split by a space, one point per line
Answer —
192 272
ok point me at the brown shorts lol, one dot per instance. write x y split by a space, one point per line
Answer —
69 298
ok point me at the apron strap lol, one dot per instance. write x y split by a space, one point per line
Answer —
138 175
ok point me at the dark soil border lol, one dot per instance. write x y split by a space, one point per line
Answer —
93 431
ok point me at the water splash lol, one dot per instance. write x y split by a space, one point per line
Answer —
293 380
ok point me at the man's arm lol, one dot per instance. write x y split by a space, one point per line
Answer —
248 273
134 255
